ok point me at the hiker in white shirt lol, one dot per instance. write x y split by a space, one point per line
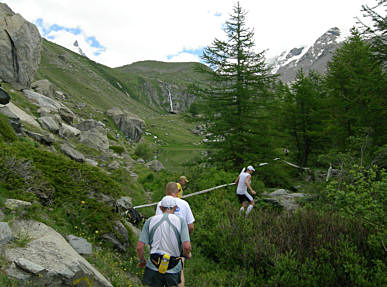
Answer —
243 181
168 237
183 209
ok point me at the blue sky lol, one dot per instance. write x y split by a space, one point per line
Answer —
119 32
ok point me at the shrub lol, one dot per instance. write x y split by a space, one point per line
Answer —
144 151
6 131
117 149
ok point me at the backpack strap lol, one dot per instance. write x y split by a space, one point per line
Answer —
175 230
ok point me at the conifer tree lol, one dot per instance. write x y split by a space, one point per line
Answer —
303 116
356 92
235 98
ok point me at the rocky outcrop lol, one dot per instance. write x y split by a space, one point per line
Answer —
72 153
131 126
44 87
93 134
20 45
155 165
310 58
284 198
4 97
48 260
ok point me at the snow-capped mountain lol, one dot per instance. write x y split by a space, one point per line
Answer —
314 57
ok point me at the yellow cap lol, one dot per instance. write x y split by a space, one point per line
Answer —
183 177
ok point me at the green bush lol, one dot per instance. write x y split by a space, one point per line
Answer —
6 131
117 149
144 151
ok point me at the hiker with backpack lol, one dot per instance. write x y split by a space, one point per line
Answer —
168 237
183 210
243 182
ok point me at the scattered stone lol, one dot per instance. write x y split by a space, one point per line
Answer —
29 266
114 165
91 162
14 204
72 153
5 233
50 123
43 139
80 244
155 165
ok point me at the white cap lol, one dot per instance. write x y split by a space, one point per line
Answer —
250 168
168 201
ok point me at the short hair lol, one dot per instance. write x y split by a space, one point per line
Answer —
171 188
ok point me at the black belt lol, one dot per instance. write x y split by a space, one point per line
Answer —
156 259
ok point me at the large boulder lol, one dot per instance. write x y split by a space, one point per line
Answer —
20 45
72 153
5 98
13 111
48 259
93 133
95 138
130 125
44 87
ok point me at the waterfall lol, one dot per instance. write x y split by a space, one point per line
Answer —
170 99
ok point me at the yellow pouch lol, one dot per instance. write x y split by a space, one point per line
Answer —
164 263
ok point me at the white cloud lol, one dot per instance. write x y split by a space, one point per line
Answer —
153 29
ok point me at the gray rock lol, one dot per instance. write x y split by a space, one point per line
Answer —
113 240
44 87
43 139
80 244
12 111
46 104
72 153
51 251
279 192
90 124
155 165
16 203
5 233
1 215
67 131
20 45
120 228
114 165
91 162
95 138
5 98
66 115
50 123
29 266
123 204
130 125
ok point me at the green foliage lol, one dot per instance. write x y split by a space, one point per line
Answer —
236 95
360 193
117 149
6 131
302 117
144 151
356 83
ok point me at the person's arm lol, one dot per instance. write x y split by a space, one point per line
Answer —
237 180
190 228
140 254
187 249
144 239
247 182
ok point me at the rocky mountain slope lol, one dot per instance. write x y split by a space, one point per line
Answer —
307 58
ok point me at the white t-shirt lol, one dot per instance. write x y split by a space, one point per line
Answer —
242 187
183 210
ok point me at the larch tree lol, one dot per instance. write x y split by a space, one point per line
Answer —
235 98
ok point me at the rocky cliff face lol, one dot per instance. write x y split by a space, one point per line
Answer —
20 45
314 57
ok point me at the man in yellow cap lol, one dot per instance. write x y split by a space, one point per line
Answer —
182 180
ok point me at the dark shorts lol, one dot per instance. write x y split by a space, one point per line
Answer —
156 279
242 198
